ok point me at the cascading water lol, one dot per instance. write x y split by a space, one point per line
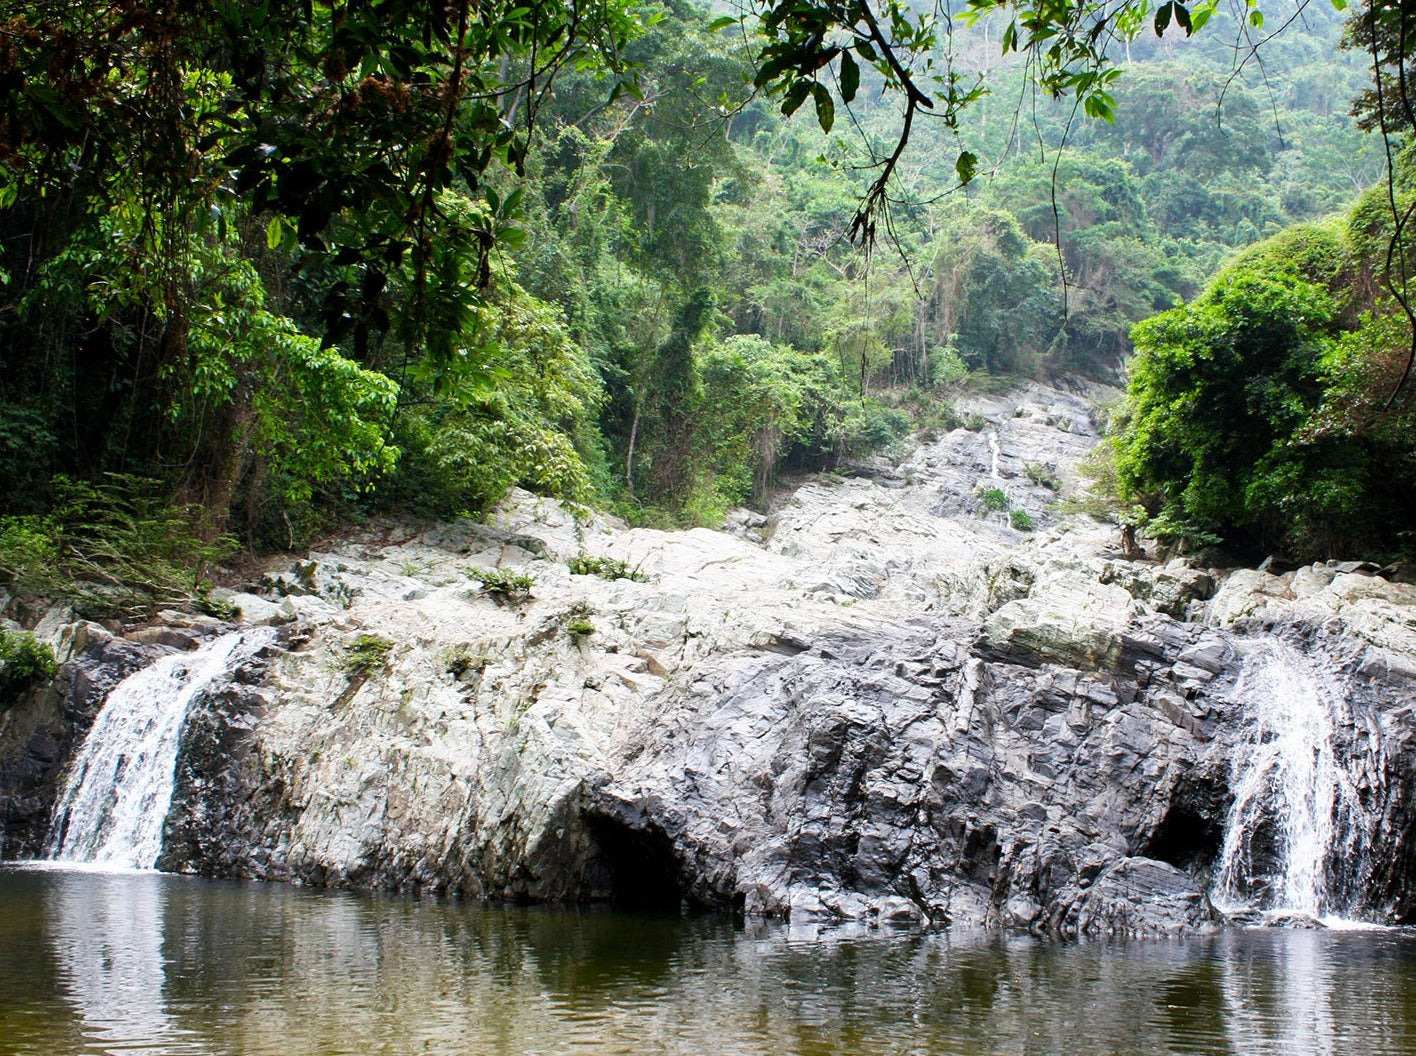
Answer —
1296 814
119 788
995 454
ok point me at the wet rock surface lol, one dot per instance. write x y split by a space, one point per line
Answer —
40 731
881 703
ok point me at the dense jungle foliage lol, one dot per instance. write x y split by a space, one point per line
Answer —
266 268
1269 413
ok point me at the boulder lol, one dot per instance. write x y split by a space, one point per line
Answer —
1066 620
1139 897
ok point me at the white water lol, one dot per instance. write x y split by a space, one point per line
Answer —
119 788
995 453
1295 808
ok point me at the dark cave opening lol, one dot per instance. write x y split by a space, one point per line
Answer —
636 868
1186 838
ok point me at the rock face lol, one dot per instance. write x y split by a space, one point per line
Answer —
907 778
881 704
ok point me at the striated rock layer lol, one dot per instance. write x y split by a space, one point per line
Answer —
881 703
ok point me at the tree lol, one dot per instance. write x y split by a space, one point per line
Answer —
1387 32
1243 418
814 49
353 154
993 297
526 418
342 123
666 434
368 167
753 412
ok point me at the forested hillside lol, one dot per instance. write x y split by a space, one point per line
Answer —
267 268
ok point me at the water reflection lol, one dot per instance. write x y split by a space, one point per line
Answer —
1319 993
107 934
154 964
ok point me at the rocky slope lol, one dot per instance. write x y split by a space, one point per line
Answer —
881 703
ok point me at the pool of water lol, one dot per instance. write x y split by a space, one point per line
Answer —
146 963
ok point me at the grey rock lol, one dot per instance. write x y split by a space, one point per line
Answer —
1354 568
1067 620
1139 897
875 707
259 611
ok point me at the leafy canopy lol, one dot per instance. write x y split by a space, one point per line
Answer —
815 49
1253 413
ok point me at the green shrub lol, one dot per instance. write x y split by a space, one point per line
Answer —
604 567
460 659
24 660
975 423
1101 498
878 427
1171 529
935 416
1021 520
946 366
29 555
366 654
117 548
504 583
579 627
1043 477
220 608
995 500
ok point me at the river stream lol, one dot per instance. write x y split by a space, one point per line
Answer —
96 962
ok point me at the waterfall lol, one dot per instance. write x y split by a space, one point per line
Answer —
995 453
1296 816
119 787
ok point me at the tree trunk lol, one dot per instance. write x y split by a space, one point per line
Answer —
629 458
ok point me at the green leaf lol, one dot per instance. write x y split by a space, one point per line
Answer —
769 70
722 22
825 107
275 231
850 77
1101 105
796 95
966 166
1256 18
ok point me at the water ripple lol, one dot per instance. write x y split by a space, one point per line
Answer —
144 963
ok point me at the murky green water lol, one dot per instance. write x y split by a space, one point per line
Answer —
93 963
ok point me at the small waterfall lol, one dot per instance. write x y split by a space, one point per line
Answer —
1296 817
119 788
995 454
